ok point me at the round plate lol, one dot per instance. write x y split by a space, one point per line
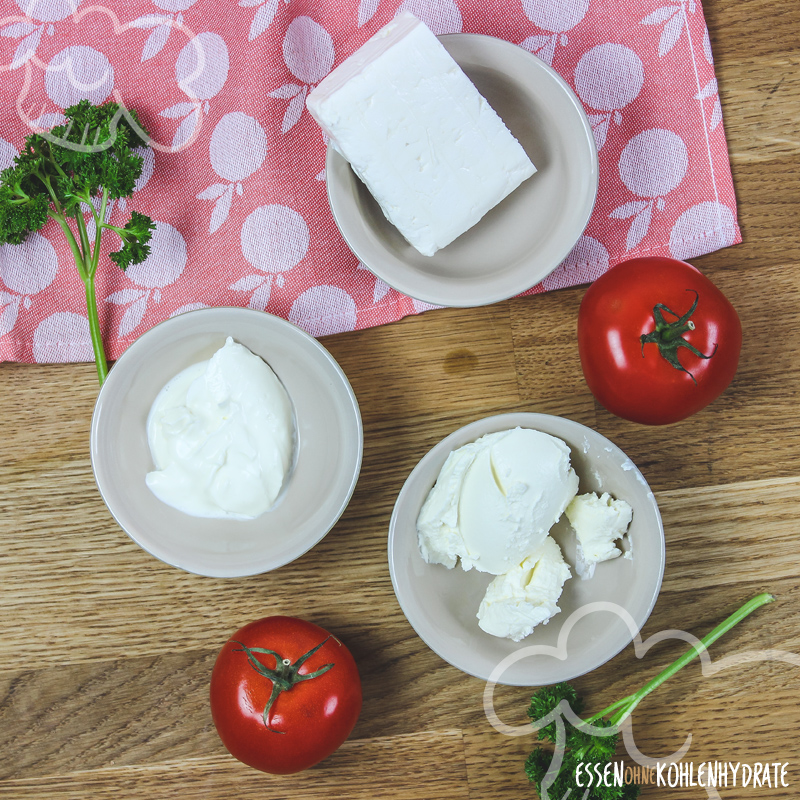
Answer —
327 458
441 603
524 238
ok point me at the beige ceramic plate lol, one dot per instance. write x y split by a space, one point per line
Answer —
441 603
327 457
520 241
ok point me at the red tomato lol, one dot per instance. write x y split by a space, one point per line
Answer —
657 340
285 694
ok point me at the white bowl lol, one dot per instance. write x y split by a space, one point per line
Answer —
441 603
327 458
524 238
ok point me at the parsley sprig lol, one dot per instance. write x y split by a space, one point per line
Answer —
72 170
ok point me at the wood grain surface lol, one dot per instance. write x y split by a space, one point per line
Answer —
105 652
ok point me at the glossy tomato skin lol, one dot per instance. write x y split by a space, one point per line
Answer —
309 721
637 383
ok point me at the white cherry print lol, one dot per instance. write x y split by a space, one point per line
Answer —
174 5
274 239
707 48
29 267
25 269
701 229
48 120
420 305
237 149
7 154
201 71
63 336
43 12
555 16
162 267
710 91
262 19
202 66
309 55
366 10
160 25
653 163
78 73
607 78
324 310
48 10
586 261
441 16
238 146
380 289
673 19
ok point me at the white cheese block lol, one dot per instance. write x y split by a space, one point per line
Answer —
414 128
598 522
526 596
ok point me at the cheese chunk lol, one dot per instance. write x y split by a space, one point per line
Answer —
433 153
598 523
525 596
495 500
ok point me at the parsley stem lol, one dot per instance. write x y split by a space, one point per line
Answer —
73 244
94 330
694 652
86 248
99 224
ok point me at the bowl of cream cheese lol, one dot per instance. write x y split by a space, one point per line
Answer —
226 442
526 549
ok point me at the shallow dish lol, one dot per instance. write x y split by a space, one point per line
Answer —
441 603
524 238
327 457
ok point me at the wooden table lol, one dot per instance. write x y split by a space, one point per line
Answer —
105 652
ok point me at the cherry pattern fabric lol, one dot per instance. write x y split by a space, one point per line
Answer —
235 179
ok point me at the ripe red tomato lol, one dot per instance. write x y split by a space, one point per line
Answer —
657 340
285 694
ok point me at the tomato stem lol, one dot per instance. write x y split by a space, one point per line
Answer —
669 335
285 674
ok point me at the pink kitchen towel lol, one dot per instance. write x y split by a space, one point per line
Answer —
235 179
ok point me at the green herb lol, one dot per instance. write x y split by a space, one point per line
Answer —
592 743
73 169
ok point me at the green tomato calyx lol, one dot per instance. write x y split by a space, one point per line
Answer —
285 674
669 335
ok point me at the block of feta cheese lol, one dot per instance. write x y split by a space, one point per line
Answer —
431 150
525 596
598 522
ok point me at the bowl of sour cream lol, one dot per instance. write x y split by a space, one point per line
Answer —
226 442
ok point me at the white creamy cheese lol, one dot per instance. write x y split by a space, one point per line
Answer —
433 153
221 436
598 522
495 500
525 596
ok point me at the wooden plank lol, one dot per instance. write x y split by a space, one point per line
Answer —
430 765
